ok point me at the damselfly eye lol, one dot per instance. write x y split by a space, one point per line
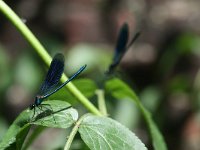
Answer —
31 106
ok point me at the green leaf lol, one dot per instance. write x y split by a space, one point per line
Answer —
21 136
18 131
19 126
56 114
86 86
121 90
102 133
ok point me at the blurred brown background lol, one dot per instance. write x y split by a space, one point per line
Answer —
162 66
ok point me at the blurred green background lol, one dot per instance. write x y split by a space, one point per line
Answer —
162 66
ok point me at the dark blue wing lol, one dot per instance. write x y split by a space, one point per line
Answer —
70 79
133 40
54 74
120 47
121 43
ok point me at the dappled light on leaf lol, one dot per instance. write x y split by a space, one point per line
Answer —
102 133
61 116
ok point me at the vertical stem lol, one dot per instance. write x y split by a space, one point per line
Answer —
101 101
73 133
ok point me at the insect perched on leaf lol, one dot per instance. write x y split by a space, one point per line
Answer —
50 84
121 47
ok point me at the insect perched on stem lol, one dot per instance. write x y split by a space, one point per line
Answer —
49 86
121 47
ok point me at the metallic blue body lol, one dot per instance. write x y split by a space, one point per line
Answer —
49 86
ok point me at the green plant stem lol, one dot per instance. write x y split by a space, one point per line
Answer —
151 125
28 35
73 133
101 101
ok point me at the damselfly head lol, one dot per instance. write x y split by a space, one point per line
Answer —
31 106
